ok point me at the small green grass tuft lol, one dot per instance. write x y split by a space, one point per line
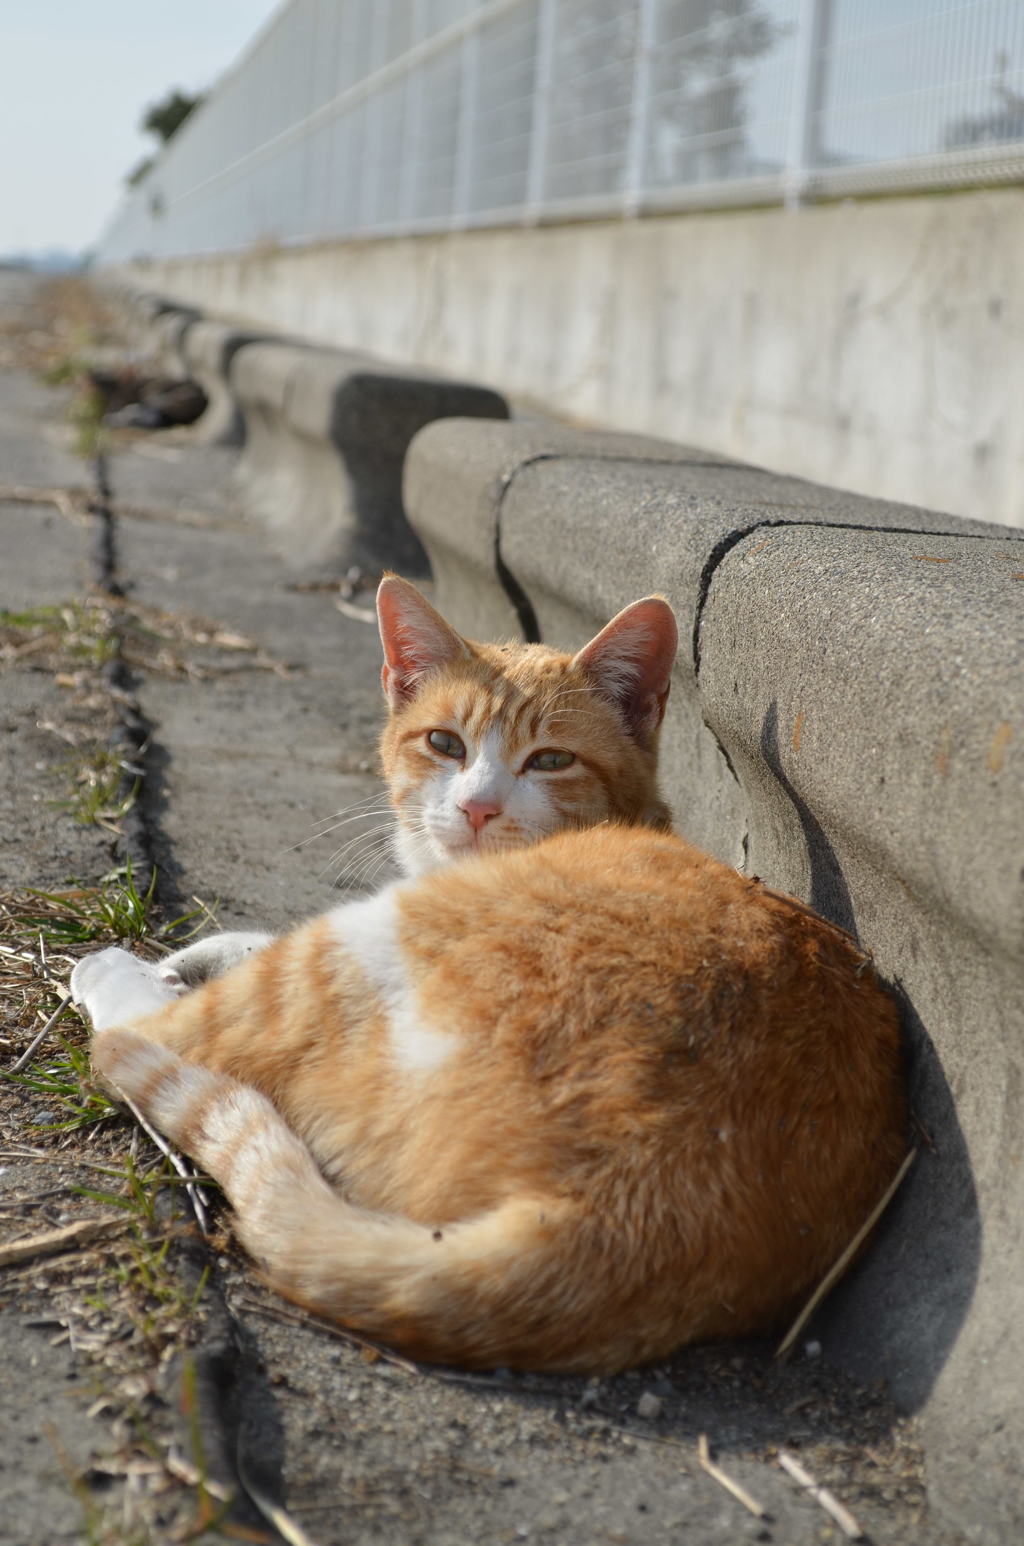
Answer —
116 909
141 1277
80 632
43 934
99 796
65 1080
86 414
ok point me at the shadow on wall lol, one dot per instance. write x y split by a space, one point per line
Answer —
898 1314
373 416
829 893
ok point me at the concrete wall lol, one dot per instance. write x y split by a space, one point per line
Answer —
877 346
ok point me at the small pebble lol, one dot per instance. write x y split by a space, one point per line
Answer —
812 1349
649 1406
591 1393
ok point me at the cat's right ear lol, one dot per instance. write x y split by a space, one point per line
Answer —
631 662
416 639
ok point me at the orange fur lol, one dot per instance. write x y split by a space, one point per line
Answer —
567 1105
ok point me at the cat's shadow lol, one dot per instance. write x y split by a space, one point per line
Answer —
899 1312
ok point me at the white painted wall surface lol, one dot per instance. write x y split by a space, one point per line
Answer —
877 346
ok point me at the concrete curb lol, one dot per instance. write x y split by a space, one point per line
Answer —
326 435
207 349
155 323
867 688
324 431
457 476
167 333
847 721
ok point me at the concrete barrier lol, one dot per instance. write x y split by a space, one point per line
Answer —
155 325
848 723
457 476
804 344
324 432
326 436
167 334
207 349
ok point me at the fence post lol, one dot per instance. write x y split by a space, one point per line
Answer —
640 109
541 118
813 27
470 83
409 174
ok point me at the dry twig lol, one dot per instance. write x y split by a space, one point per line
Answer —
30 1051
836 1271
195 1193
56 1241
298 1318
70 502
717 1474
180 1468
842 1516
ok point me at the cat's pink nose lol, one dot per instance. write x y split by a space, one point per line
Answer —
479 812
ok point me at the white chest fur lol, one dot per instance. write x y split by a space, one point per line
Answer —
368 932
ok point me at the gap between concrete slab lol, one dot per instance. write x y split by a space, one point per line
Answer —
219 1386
133 732
520 601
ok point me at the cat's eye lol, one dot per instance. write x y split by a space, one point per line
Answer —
447 744
549 761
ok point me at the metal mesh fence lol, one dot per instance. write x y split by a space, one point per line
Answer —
351 118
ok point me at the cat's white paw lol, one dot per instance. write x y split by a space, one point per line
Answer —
172 979
114 987
214 955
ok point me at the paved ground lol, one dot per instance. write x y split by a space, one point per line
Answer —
261 701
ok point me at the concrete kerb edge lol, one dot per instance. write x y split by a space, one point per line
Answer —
515 592
346 479
484 559
721 550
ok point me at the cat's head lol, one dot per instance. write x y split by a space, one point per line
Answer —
489 747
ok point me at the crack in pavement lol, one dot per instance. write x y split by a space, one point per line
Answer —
217 1388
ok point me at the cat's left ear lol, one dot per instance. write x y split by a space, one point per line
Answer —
631 661
416 639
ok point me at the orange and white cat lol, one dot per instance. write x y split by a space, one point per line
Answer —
571 1094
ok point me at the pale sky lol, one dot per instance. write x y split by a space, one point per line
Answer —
75 79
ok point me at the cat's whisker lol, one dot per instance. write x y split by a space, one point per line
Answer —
330 824
336 860
360 877
384 859
385 811
354 805
354 849
567 692
373 843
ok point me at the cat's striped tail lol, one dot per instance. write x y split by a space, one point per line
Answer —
478 1292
